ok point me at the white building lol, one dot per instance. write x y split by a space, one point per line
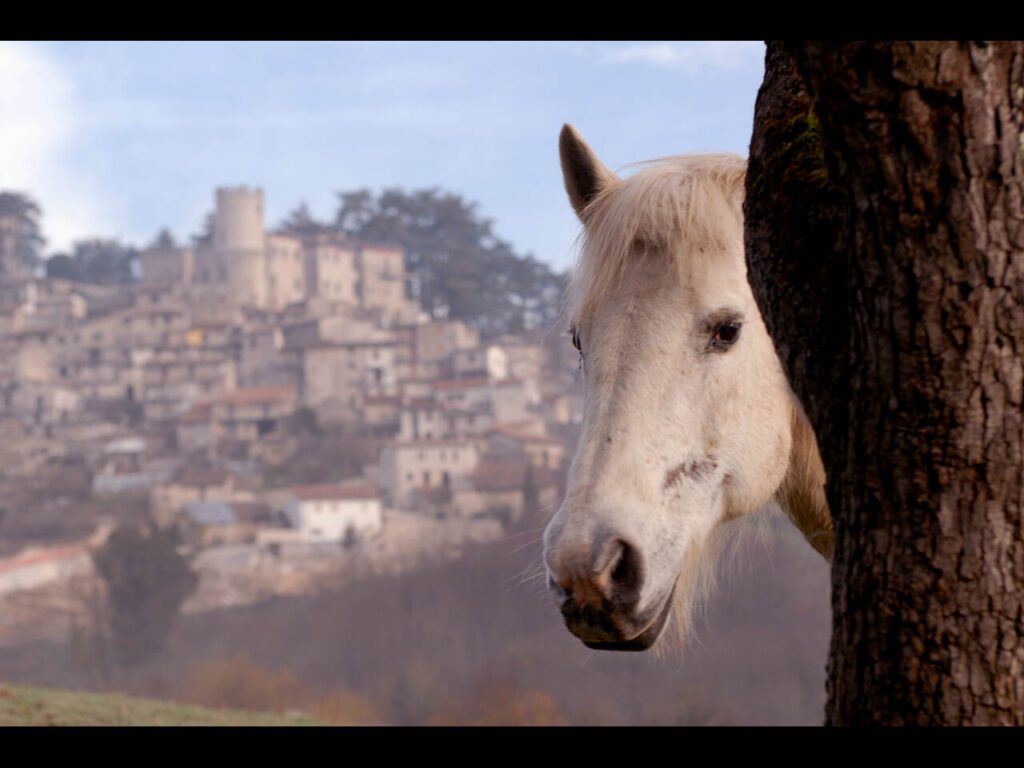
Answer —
328 512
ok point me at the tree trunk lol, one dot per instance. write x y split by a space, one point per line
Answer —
903 335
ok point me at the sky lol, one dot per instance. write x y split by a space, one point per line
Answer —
121 139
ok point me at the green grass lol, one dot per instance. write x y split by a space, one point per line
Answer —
21 705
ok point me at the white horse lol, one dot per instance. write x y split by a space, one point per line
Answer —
689 420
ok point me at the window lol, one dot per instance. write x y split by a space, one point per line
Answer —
426 478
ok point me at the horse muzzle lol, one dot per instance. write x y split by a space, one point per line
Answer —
598 588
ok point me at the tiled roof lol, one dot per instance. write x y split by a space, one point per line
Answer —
335 492
382 400
447 385
455 442
256 396
496 476
210 512
34 556
200 413
521 431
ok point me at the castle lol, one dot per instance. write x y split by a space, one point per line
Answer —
242 265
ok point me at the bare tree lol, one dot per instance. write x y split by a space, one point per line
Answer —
885 239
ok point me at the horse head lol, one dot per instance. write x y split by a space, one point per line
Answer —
689 421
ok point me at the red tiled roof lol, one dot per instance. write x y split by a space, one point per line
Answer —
200 413
496 476
382 400
29 557
456 384
520 430
335 492
457 442
256 396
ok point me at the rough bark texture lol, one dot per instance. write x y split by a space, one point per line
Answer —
904 337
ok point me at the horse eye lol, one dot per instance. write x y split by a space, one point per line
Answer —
575 338
725 336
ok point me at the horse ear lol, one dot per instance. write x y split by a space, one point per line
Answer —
585 175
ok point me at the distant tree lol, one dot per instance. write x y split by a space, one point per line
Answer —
205 234
105 262
88 639
21 241
163 240
323 456
301 223
462 269
147 581
60 265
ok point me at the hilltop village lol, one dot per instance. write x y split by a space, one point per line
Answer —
282 402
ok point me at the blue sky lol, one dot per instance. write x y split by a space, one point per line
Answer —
120 139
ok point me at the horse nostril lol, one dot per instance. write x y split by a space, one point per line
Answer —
627 573
621 574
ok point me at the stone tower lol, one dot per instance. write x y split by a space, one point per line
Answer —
237 254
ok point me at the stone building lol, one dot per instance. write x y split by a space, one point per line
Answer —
408 466
241 264
332 272
167 266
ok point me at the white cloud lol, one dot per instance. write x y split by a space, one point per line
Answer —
39 120
692 57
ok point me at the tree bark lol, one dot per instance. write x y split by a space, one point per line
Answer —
903 335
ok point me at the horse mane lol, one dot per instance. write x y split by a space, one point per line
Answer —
674 206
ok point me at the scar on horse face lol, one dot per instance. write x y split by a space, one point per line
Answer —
697 469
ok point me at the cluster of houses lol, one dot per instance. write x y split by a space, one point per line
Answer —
188 386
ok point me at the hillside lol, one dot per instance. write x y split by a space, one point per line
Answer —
479 640
45 706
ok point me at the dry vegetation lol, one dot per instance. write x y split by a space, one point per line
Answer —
478 642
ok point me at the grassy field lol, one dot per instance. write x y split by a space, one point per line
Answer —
41 706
